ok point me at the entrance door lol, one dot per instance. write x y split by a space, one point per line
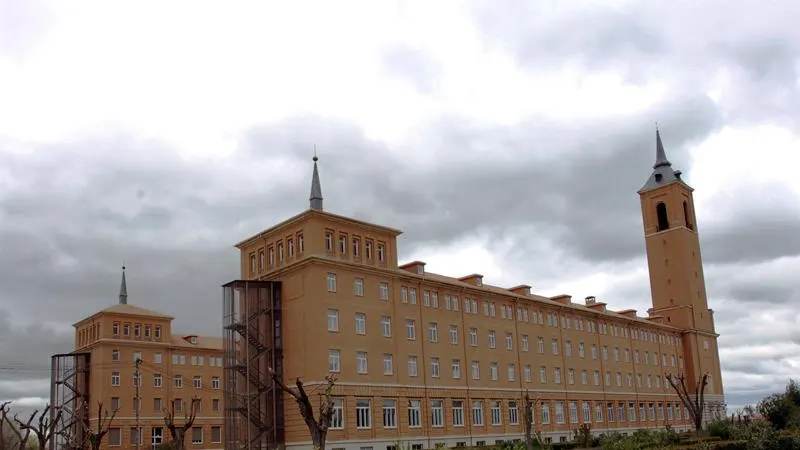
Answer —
157 437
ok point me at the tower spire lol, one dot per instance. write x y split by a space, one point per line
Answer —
661 155
315 200
123 289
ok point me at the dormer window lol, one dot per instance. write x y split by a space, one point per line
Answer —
192 339
479 282
658 178
420 270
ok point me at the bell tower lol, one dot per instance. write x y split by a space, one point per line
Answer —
677 284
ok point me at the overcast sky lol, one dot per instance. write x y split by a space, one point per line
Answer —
503 138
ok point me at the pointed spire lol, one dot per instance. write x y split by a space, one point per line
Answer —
315 199
123 289
661 155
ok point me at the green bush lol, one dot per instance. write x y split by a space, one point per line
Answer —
720 428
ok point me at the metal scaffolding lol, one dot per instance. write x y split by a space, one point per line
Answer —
252 340
69 398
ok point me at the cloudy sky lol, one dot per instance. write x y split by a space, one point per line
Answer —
503 138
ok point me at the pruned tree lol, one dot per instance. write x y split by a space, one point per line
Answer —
695 404
531 435
12 437
177 431
80 434
318 428
43 428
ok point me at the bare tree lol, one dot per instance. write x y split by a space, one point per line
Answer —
694 404
43 428
12 437
531 435
89 437
178 431
318 428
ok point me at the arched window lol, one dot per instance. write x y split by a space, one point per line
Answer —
686 218
661 213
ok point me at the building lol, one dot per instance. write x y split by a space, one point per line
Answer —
427 359
175 372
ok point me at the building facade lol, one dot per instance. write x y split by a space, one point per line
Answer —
175 372
427 359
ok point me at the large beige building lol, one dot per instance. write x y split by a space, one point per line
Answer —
176 371
428 359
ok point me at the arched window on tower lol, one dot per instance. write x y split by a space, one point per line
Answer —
661 213
686 217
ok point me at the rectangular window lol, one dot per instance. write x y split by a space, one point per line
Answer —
388 364
573 412
361 323
337 419
414 413
492 340
497 413
115 378
454 334
363 413
476 370
333 320
358 287
473 337
437 413
334 361
215 383
412 366
513 413
477 413
559 412
361 362
545 413
509 341
331 282
386 326
433 332
411 329
524 343
435 367
456 368
384 290
390 414
458 413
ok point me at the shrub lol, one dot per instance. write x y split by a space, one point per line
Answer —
720 429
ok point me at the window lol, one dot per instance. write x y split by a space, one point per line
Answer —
571 376
334 361
281 254
597 378
610 412
342 244
605 353
388 366
435 300
386 326
384 290
337 419
333 320
573 412
543 374
524 343
361 362
540 344
126 330
458 413
477 413
215 383
568 348
390 414
433 332
356 247
290 245
476 370
598 412
661 214
587 412
437 413
584 377
368 249
414 413
137 330
115 355
361 323
197 382
381 252
158 405
473 337
509 341
493 371
413 295
454 334
197 435
456 368
358 287
526 373
331 282
115 329
581 350
512 372
271 253
435 367
115 378
557 375
363 413
513 413
178 380
426 298
215 404
157 332
157 380
594 351
411 329
412 366
559 412
115 404
158 357
492 341
114 437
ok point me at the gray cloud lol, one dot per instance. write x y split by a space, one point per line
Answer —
757 48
